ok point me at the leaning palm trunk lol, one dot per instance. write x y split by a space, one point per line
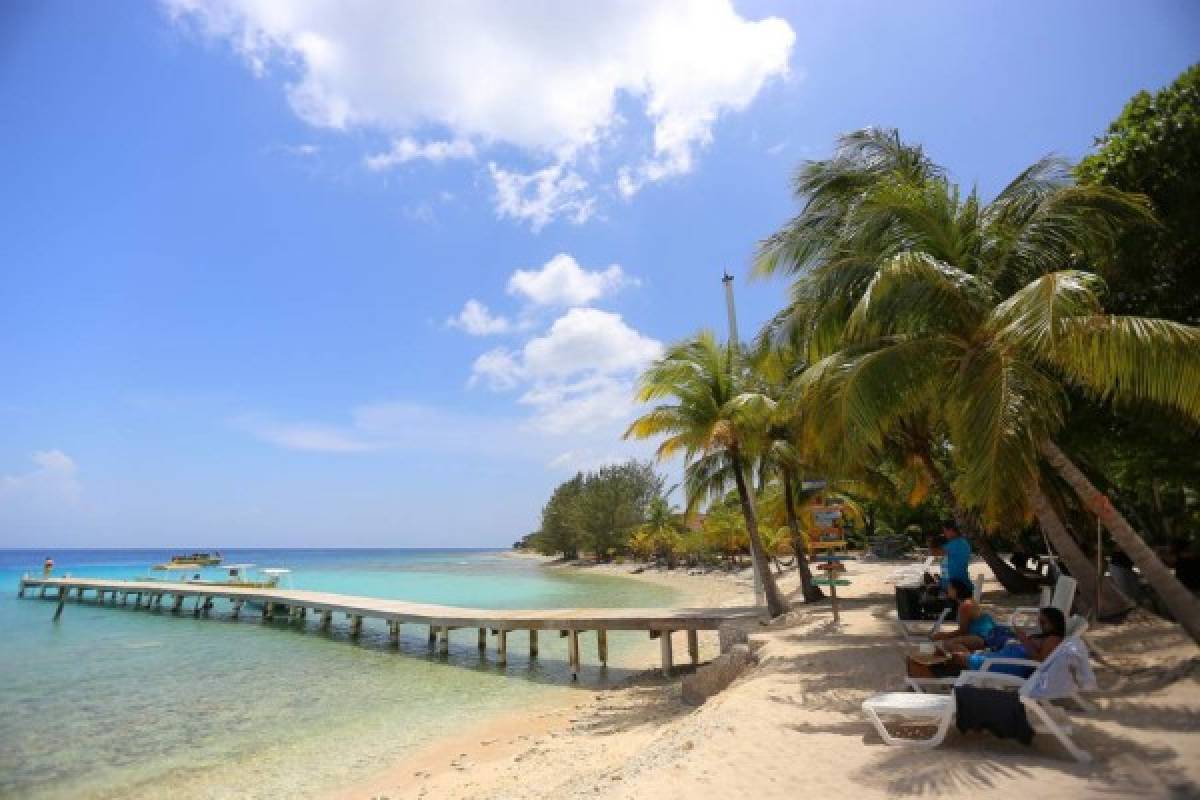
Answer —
1182 604
1112 601
1007 575
776 603
812 592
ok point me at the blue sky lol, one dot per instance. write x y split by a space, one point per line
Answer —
240 240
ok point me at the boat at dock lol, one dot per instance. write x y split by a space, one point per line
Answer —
193 560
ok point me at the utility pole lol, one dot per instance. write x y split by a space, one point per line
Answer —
760 595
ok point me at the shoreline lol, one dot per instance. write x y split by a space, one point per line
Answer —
793 723
443 767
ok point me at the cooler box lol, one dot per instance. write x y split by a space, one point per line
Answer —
908 602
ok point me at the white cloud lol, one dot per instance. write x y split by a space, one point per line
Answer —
577 376
407 149
546 78
313 437
498 368
588 340
541 196
52 480
561 281
477 320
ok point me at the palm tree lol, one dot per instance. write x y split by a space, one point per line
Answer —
713 426
905 276
774 365
661 531
995 372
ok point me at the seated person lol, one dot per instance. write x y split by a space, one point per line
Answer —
976 629
1035 647
974 625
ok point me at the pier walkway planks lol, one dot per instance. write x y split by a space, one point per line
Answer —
660 622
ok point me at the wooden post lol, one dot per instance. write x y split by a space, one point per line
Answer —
665 644
326 619
355 625
61 602
602 646
432 635
208 606
533 643
237 608
573 654
693 638
502 647
43 594
444 640
267 611
482 639
394 630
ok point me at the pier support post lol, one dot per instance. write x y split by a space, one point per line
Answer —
665 644
326 619
394 630
693 638
43 594
207 607
482 639
355 625
573 653
237 608
602 646
444 641
533 643
432 635
502 647
267 610
177 606
62 600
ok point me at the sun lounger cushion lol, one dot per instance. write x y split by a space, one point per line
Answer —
995 710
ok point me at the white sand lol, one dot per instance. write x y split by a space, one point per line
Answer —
793 725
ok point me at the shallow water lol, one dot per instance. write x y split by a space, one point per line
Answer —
113 702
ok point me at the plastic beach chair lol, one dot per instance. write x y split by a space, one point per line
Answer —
920 630
1076 626
912 574
923 709
938 709
1062 599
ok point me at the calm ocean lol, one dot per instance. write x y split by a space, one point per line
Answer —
113 702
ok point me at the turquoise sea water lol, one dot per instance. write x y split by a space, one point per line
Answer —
113 702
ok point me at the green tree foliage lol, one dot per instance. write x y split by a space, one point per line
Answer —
615 500
1153 148
597 512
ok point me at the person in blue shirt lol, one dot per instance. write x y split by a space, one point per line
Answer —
957 558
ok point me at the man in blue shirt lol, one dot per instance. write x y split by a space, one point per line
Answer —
957 556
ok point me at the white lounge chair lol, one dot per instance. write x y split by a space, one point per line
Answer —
1076 626
914 631
1062 599
912 574
938 710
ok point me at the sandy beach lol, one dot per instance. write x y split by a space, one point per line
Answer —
793 723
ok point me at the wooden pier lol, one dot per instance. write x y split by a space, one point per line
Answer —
297 604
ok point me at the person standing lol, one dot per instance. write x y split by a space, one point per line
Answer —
47 567
957 558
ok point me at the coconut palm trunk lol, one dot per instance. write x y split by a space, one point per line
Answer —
1182 604
1006 574
776 603
812 593
1112 601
